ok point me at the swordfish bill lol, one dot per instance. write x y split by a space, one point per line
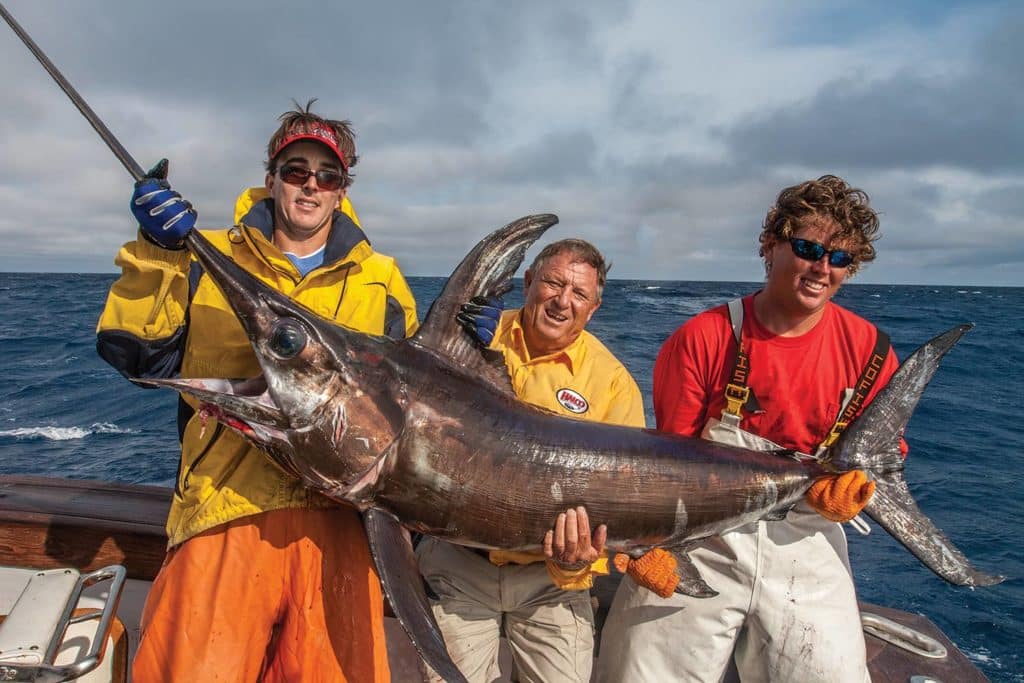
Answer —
426 434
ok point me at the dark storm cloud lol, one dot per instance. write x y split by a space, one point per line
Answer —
967 118
430 66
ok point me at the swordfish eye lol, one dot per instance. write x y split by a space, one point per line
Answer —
288 339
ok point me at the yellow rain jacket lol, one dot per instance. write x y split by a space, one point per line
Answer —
165 317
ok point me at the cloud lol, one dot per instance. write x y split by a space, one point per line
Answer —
957 116
659 131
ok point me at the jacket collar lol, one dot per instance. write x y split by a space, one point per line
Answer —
345 242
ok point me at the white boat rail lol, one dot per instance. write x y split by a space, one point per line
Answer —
32 633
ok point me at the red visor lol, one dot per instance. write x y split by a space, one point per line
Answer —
321 134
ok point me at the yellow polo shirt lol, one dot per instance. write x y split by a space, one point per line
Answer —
584 380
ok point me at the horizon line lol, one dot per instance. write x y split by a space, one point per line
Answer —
623 279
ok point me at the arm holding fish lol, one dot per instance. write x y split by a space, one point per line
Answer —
142 329
480 316
656 569
841 497
570 546
575 554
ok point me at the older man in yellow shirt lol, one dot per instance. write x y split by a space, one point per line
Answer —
541 604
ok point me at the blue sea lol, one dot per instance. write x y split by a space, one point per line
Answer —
63 412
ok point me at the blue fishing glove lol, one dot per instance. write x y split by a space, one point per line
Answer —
480 316
165 218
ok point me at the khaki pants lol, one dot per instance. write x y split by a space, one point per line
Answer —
786 606
550 631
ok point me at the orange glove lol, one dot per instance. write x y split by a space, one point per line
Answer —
654 570
840 497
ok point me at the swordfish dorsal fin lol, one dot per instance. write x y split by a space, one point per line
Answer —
486 270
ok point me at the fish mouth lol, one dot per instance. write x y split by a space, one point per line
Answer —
244 405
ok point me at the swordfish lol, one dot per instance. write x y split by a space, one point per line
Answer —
426 434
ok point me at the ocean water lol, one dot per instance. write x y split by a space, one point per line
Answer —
63 412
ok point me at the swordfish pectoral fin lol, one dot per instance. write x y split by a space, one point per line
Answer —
690 581
894 509
396 565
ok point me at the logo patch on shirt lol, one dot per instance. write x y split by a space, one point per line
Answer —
572 401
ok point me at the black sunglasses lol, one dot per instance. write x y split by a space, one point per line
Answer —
812 251
325 179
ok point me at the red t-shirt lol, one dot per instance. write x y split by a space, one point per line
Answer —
798 381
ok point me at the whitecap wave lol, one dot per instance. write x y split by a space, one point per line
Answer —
63 433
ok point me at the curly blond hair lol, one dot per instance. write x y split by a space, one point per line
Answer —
828 197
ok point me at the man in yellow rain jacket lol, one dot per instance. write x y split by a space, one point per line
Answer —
542 603
263 579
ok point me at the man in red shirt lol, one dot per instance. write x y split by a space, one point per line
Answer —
777 369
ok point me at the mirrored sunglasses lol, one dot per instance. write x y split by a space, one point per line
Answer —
812 251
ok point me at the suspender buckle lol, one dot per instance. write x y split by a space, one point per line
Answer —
836 430
735 397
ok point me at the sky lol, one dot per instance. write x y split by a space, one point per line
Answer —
661 131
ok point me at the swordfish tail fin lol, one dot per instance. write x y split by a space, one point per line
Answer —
872 443
894 509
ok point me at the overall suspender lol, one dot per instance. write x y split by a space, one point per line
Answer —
868 377
737 393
